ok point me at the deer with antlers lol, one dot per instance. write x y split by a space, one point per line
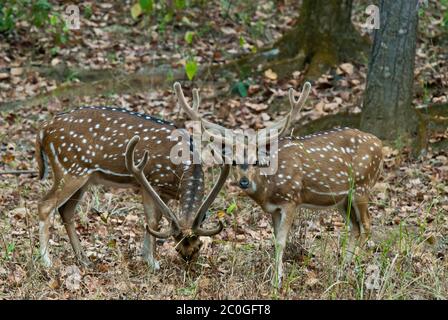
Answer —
96 146
331 169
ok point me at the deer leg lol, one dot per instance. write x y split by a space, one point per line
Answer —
67 212
276 218
152 217
283 219
354 229
45 208
361 205
57 196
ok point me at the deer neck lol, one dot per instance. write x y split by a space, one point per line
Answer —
191 192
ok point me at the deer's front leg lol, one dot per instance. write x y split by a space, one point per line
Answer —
152 216
282 219
45 208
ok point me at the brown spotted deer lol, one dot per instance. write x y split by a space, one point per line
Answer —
331 169
87 146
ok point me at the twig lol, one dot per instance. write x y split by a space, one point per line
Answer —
18 172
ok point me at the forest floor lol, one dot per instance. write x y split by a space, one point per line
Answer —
407 257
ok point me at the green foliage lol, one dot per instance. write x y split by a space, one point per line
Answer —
240 88
189 37
242 41
231 208
180 4
445 20
38 13
445 15
191 68
426 93
9 250
162 11
58 28
88 11
9 13
146 5
71 75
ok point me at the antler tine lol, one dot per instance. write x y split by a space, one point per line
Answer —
137 172
207 203
196 100
184 104
157 234
142 164
296 106
193 112
292 100
283 124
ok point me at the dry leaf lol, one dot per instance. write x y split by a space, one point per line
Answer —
16 71
271 75
19 213
228 31
221 214
73 277
347 68
54 284
55 61
265 116
257 106
311 280
17 275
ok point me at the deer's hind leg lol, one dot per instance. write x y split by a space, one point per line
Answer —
360 223
361 204
62 190
349 213
67 212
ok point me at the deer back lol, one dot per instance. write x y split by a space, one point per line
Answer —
322 168
92 141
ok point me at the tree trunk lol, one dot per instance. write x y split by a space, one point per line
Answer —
323 37
388 112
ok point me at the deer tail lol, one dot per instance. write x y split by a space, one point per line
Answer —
41 157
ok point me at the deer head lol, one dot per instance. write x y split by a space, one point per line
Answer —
186 235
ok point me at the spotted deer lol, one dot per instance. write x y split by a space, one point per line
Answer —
87 146
331 169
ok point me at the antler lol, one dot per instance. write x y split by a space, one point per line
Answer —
280 127
296 105
284 124
193 112
137 172
200 214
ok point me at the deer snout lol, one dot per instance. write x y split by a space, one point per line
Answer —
244 183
